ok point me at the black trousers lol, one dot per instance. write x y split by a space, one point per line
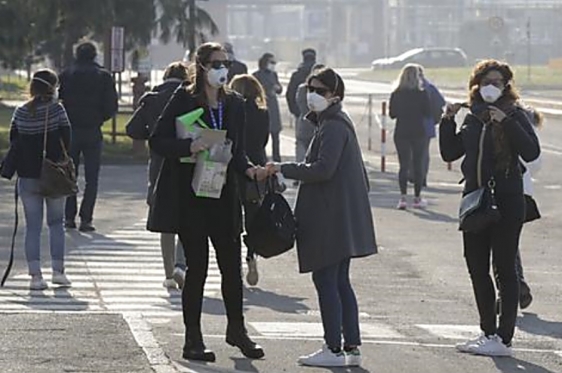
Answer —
410 150
502 241
213 224
276 146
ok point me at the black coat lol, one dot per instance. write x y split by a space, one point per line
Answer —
297 78
237 68
409 107
523 143
257 133
88 94
174 204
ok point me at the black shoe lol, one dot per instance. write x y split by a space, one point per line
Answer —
87 227
525 297
194 349
70 224
239 338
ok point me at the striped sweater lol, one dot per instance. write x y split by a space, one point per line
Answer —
27 135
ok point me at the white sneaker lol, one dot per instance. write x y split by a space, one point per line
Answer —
179 277
324 358
60 278
491 346
252 277
402 204
419 203
170 283
465 346
353 358
37 283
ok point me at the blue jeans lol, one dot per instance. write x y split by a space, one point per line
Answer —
338 305
33 209
90 147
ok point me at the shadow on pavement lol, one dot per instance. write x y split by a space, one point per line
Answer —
244 364
276 302
513 365
533 324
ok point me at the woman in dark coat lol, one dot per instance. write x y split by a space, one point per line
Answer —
257 134
410 106
176 208
493 137
334 215
267 77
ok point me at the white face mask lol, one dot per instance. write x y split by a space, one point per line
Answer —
217 77
271 66
316 102
490 93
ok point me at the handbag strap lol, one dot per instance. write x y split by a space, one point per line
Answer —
16 220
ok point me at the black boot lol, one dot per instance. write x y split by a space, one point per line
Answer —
238 337
194 348
525 297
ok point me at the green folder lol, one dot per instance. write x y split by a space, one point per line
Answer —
188 126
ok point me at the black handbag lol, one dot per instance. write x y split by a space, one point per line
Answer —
478 209
58 179
273 230
531 209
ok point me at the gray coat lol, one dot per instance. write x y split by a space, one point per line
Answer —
270 83
304 129
333 209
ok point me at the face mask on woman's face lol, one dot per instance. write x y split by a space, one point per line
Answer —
316 102
217 77
490 93
271 66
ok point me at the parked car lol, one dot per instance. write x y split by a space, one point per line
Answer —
428 57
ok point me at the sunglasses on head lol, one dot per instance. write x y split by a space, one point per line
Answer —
217 64
320 91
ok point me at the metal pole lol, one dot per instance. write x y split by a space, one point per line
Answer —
370 108
529 48
383 137
114 122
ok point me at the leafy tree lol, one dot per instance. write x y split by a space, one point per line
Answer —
186 21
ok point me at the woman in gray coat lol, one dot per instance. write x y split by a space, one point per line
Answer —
270 82
334 215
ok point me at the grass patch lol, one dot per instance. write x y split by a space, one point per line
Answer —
119 152
13 87
542 77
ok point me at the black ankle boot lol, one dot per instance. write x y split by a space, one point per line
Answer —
525 297
194 348
238 337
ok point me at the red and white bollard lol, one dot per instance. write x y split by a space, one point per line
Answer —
383 137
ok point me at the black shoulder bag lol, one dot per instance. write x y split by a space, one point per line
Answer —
478 209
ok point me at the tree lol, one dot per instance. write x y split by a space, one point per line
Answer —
189 23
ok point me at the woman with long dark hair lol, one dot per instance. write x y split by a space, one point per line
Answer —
177 209
493 137
40 124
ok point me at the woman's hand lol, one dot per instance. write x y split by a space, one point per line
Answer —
198 146
273 168
496 114
452 110
258 173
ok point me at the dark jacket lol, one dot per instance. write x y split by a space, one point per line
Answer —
257 133
88 94
144 119
520 136
304 129
27 139
333 208
409 107
270 83
174 204
237 68
297 78
437 103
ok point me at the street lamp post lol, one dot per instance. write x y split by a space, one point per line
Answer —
529 48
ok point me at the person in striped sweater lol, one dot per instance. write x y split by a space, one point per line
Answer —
41 116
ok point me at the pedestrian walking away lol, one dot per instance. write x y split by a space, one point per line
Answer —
236 67
88 94
334 189
410 106
139 127
257 135
304 129
494 136
175 208
437 104
269 80
299 77
40 128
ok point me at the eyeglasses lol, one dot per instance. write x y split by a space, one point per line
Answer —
217 64
319 90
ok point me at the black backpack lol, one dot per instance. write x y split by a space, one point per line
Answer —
273 229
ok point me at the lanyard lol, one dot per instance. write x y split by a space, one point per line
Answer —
214 120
